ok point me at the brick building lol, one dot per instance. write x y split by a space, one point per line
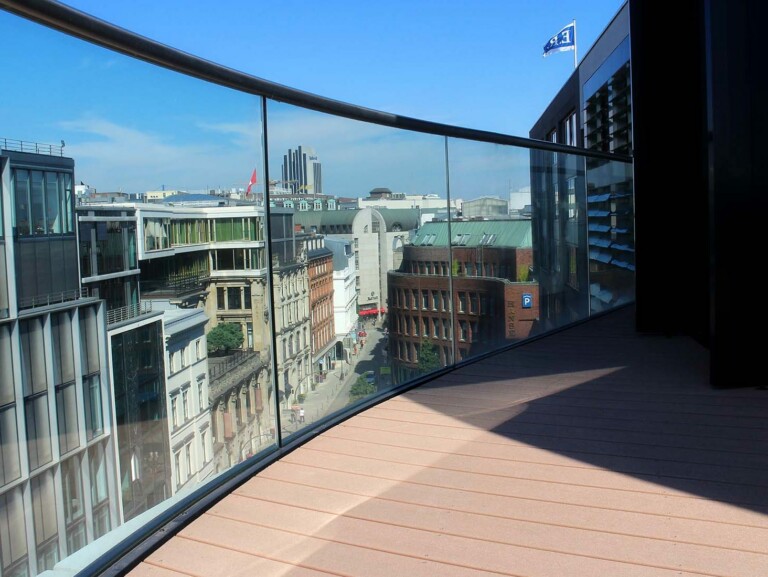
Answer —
461 298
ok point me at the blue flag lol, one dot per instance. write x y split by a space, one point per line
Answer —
562 41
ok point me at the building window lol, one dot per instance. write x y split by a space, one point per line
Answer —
463 335
177 467
9 449
188 459
220 299
446 329
446 301
198 349
425 299
424 327
233 296
13 541
462 302
569 124
185 403
99 494
38 430
175 411
44 517
66 412
436 328
435 300
94 422
74 512
247 297
474 306
201 401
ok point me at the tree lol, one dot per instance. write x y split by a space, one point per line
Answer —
429 359
361 389
225 336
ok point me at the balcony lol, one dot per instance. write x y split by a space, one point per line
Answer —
587 448
594 451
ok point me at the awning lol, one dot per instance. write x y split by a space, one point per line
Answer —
365 312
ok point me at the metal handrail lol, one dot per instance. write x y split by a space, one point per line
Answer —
33 147
128 312
52 298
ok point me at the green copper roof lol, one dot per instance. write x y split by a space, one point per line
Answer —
514 233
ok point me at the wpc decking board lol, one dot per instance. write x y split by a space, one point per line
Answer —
592 452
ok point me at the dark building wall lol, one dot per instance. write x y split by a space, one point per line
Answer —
717 184
564 103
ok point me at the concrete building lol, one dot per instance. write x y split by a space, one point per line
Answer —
583 212
485 207
344 294
58 463
377 237
320 273
302 171
187 387
426 203
290 286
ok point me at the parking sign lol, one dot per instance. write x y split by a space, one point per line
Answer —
527 300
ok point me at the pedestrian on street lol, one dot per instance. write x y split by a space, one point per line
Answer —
301 415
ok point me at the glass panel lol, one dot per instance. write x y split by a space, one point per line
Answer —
9 446
334 271
13 539
611 233
66 413
140 130
7 393
63 353
495 292
44 515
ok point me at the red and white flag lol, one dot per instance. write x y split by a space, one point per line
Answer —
251 183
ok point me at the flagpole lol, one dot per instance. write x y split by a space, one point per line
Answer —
574 44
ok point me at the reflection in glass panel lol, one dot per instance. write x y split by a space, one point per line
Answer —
152 135
610 214
44 515
346 199
560 237
13 539
495 295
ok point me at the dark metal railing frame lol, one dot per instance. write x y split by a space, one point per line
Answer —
121 558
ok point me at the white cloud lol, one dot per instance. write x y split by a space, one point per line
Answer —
112 157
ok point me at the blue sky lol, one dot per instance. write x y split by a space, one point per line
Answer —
131 127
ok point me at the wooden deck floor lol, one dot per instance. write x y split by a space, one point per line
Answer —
593 452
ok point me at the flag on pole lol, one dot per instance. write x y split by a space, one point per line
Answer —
562 41
251 183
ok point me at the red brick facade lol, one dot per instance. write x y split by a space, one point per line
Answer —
488 309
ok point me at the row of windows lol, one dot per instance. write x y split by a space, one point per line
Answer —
43 202
181 404
426 299
238 259
184 459
162 233
180 358
294 343
233 298
409 352
82 482
437 328
460 268
47 343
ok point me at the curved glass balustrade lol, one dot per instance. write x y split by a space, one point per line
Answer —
234 272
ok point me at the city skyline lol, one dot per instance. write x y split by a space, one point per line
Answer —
132 127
